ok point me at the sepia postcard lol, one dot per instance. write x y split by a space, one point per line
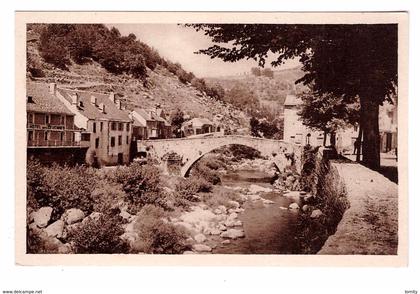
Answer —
169 138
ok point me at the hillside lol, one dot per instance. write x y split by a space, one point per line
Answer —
160 87
270 92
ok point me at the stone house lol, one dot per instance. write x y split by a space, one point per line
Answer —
150 124
294 130
110 126
51 133
198 126
388 126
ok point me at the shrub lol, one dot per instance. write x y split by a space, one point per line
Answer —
100 236
209 175
187 188
140 184
60 187
223 197
39 243
107 196
156 235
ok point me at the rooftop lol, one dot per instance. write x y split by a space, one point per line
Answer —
43 100
198 122
92 111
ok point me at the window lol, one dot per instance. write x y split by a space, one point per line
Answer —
30 135
30 117
113 126
94 127
47 119
112 141
126 141
120 140
97 143
128 127
62 136
120 126
46 135
62 120
102 126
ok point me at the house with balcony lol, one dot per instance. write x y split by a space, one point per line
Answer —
109 125
51 133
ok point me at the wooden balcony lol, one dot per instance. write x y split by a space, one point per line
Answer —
47 127
57 144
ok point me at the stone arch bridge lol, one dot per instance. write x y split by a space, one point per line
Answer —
190 150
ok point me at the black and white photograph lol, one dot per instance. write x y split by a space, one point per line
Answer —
213 137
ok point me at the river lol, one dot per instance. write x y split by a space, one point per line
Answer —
268 228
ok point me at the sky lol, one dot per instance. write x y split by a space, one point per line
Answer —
178 44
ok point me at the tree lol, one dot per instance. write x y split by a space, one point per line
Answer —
327 113
242 98
347 61
177 118
267 73
256 71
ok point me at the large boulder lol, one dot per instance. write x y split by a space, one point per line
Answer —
200 238
233 234
73 215
93 216
253 189
42 216
55 229
234 204
316 213
294 206
254 197
201 248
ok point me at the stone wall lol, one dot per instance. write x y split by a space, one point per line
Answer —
370 224
359 208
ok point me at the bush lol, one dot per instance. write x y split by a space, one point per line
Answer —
38 243
222 196
156 235
100 236
140 184
107 196
60 187
201 170
187 188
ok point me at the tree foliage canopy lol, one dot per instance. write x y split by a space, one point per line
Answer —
345 60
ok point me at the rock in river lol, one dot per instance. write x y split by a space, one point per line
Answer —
294 206
201 248
316 213
233 234
200 238
256 189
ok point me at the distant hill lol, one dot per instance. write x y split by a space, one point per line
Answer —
163 82
271 92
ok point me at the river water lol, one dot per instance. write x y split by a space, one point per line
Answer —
268 228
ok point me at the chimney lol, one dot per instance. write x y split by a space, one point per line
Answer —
75 99
53 88
93 100
102 107
118 103
112 97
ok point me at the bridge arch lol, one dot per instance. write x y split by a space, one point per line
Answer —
275 158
